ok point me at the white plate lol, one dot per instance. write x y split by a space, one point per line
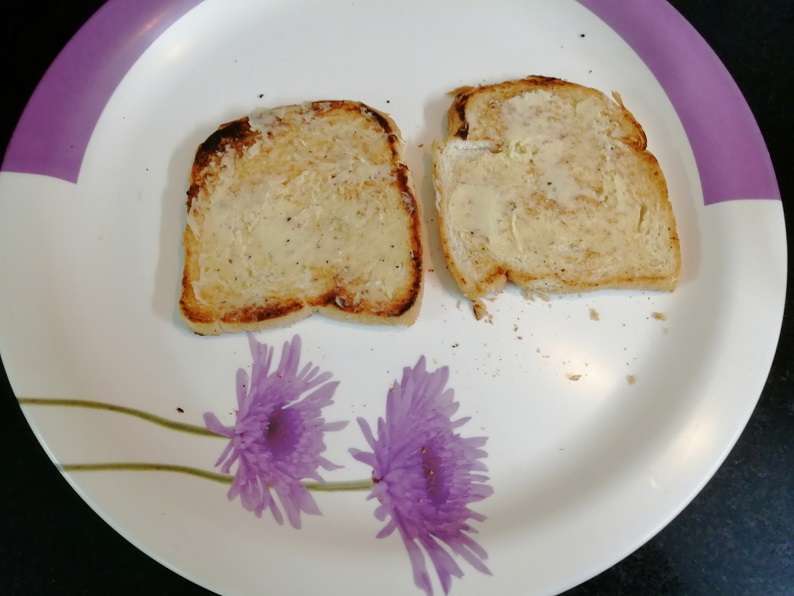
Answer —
583 471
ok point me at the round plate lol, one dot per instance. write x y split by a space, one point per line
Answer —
599 431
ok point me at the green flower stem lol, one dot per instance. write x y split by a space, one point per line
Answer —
146 467
348 485
330 487
180 426
98 405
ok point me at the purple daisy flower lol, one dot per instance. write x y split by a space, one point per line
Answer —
426 475
277 438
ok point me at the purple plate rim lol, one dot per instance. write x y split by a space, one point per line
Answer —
56 125
733 161
732 158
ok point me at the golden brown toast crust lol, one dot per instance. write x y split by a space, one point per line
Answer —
458 126
237 136
494 281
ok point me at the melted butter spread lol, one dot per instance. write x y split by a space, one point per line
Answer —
557 177
310 207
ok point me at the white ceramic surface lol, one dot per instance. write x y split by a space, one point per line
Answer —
584 471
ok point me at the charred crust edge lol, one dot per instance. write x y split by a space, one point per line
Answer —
459 106
384 123
236 134
463 94
249 314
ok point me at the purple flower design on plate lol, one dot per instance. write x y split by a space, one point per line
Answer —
277 438
426 475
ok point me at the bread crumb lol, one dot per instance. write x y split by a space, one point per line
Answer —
180 410
573 377
480 312
631 379
455 345
420 145
530 295
659 316
594 316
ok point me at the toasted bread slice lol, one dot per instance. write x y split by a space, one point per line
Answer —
301 209
548 184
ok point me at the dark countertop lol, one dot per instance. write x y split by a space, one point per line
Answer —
736 537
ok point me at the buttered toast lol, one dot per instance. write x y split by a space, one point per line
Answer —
300 209
549 185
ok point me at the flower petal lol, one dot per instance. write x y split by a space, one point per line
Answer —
421 577
304 500
242 388
277 439
290 354
214 425
327 465
366 431
334 426
226 453
387 530
469 557
364 457
426 475
322 396
472 545
262 356
445 565
382 512
290 507
306 371
435 384
274 509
